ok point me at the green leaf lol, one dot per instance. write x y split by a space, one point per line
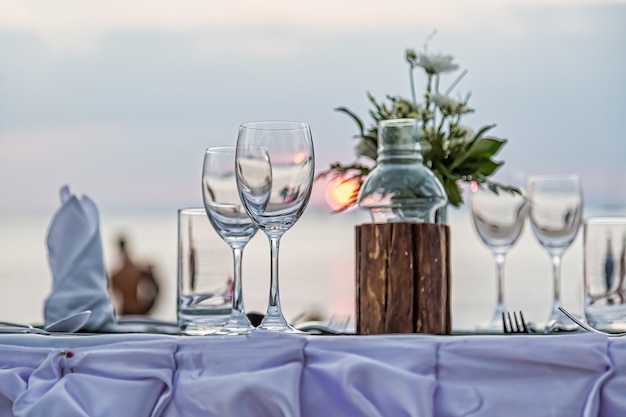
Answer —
506 188
354 117
372 100
477 167
487 167
439 167
479 147
486 147
481 132
453 192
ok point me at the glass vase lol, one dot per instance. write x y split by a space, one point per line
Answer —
401 188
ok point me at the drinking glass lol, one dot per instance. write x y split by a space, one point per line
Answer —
204 305
556 205
230 221
604 261
275 167
498 218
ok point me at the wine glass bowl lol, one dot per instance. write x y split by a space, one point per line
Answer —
556 205
254 180
222 202
556 218
275 168
230 221
498 219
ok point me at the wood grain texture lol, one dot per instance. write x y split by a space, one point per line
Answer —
402 278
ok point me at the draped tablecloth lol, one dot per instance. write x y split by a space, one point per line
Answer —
266 374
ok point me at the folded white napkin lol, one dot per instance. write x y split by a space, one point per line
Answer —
77 266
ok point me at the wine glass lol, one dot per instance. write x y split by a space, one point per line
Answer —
498 218
230 221
556 205
275 171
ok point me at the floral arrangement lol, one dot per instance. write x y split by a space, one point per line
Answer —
454 152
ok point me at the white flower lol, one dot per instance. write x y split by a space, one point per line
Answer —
410 56
449 106
436 63
444 102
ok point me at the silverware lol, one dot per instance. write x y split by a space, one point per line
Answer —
13 324
12 327
514 324
70 324
588 327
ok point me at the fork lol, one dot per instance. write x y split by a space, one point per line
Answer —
588 327
514 324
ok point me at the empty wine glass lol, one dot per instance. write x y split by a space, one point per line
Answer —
556 205
498 218
275 171
230 221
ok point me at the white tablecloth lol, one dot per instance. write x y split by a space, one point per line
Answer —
278 375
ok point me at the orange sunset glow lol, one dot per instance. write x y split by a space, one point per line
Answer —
339 192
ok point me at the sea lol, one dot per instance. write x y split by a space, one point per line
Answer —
317 266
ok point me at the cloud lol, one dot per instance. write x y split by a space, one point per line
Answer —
76 25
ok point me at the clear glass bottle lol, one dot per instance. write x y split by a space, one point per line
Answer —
401 188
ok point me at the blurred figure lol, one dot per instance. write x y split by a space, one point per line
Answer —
134 287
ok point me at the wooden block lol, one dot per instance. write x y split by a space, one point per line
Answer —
402 278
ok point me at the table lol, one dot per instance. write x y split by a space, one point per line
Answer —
276 375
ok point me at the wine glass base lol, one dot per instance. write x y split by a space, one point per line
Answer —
286 329
238 324
558 321
234 331
277 324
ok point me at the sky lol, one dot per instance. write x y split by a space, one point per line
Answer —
119 99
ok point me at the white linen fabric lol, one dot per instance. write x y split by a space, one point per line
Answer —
76 262
374 376
564 372
239 376
266 374
90 383
614 390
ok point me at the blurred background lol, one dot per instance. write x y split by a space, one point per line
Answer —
119 100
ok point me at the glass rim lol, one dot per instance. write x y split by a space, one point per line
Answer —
221 148
605 220
274 125
475 186
192 211
400 122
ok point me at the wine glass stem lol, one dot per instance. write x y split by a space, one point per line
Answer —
556 272
499 260
274 319
237 285
273 307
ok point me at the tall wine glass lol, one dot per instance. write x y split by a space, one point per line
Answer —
499 220
230 221
556 205
275 171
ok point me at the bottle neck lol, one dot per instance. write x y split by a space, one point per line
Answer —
399 141
399 155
